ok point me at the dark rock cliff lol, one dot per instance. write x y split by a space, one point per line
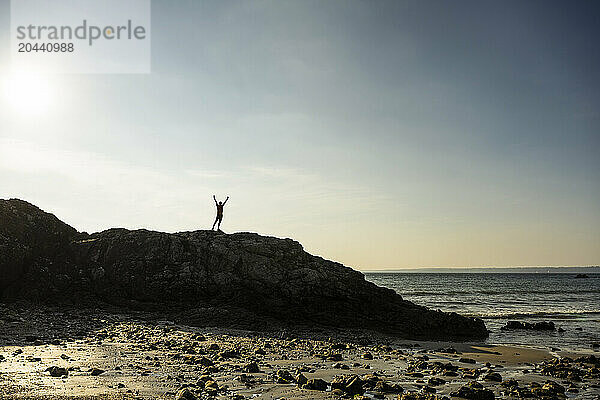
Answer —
30 239
44 259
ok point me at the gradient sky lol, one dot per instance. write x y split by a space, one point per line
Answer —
378 134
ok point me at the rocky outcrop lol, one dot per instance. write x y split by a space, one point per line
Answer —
45 259
30 239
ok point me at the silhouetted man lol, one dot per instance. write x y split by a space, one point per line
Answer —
220 205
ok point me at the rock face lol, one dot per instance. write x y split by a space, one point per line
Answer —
30 239
42 258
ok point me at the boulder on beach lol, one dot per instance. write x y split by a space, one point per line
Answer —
249 275
473 391
536 326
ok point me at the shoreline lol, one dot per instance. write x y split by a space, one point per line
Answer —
107 355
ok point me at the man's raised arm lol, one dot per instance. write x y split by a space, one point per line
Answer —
215 199
226 200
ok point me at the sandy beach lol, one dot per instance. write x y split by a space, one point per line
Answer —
57 353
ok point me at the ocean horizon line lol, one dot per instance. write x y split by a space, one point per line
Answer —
567 269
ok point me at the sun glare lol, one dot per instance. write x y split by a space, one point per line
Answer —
28 93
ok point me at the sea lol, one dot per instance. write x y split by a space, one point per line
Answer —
571 302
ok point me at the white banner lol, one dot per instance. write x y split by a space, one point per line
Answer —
80 36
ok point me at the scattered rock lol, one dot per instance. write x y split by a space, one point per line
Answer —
251 368
301 379
284 376
473 392
553 387
315 384
510 383
428 389
417 396
537 326
436 382
57 371
493 376
562 368
350 384
185 394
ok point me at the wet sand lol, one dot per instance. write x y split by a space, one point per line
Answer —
104 355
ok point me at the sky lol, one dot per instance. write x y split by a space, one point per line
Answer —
380 134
